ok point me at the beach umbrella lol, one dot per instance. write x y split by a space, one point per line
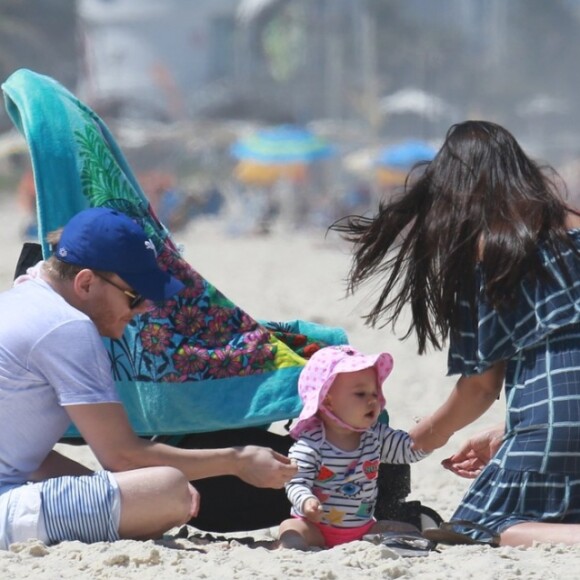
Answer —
282 145
259 174
393 162
405 154
361 162
541 105
417 102
278 152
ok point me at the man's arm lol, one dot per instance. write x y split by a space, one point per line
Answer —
108 432
57 464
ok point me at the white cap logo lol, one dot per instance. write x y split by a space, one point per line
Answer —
149 245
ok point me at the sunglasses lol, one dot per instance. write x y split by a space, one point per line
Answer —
135 299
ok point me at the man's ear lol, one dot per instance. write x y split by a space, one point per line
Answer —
82 283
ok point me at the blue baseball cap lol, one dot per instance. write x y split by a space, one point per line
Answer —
104 239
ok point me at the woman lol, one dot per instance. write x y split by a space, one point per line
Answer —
483 248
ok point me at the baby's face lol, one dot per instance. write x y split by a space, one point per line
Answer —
354 398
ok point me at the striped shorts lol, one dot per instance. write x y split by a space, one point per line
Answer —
85 508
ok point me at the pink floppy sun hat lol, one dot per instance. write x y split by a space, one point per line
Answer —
320 371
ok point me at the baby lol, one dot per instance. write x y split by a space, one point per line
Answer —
339 447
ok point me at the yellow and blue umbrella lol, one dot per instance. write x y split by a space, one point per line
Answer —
275 152
405 154
395 161
285 144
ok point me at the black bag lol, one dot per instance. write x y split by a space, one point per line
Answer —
30 255
231 505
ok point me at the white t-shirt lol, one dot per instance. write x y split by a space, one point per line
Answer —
51 356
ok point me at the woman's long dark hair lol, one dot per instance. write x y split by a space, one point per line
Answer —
481 200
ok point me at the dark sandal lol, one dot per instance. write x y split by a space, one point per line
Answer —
445 534
408 544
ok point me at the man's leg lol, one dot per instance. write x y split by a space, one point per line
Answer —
153 500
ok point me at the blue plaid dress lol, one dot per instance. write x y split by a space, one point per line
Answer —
535 476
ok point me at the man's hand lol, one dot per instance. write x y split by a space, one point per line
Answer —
195 498
263 467
312 510
475 453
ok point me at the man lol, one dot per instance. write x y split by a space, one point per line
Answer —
54 369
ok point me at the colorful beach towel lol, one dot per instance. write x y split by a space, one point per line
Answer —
194 364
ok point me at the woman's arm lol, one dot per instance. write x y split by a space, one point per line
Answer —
470 398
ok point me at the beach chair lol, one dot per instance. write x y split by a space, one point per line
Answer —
196 371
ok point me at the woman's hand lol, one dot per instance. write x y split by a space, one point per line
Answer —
475 453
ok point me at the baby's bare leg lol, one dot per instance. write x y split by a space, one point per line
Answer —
299 535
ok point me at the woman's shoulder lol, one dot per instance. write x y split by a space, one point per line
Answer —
542 305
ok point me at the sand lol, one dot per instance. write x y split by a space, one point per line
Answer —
286 276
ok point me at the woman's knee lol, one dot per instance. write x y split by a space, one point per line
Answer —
529 533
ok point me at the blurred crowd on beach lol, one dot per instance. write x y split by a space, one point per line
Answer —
268 177
255 197
270 114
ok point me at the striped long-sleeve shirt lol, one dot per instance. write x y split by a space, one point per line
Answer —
345 482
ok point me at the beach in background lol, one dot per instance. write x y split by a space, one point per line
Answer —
283 276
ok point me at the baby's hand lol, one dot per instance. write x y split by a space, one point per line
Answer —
312 510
